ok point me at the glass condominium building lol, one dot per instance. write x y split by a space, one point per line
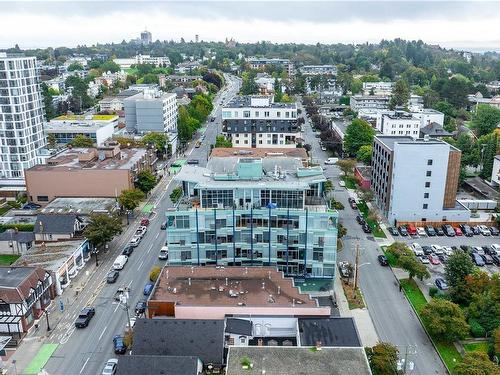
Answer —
248 211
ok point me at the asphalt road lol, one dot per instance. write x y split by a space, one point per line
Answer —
85 351
392 315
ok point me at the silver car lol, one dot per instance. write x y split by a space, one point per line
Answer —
110 368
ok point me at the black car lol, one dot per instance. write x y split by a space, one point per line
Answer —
402 230
487 259
112 276
427 250
439 232
466 230
393 231
429 229
465 248
163 225
127 251
119 345
494 231
382 260
193 161
360 219
31 206
448 230
366 228
441 284
496 259
140 307
443 258
476 230
84 317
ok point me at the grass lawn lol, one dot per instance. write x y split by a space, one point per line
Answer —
350 182
450 354
377 232
355 302
7 260
4 209
390 257
414 294
133 71
481 346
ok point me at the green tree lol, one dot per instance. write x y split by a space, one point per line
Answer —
456 268
414 267
130 199
364 154
489 145
476 363
248 84
158 140
221 141
398 249
356 86
485 119
485 309
75 66
154 273
146 181
110 66
51 141
278 91
358 133
365 194
150 78
383 359
400 94
444 320
186 125
346 166
328 186
81 141
101 228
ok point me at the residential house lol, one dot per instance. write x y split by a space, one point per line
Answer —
57 227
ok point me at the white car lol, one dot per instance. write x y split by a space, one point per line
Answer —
110 367
135 241
331 161
424 260
421 231
141 231
323 148
341 183
448 250
484 230
478 249
132 323
417 249
436 249
496 248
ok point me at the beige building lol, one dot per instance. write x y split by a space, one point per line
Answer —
87 172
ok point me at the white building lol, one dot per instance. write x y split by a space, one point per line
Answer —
265 83
126 63
313 70
378 88
262 62
21 116
428 116
259 122
359 102
99 128
495 173
416 180
399 123
93 89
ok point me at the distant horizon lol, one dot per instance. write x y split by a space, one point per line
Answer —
459 25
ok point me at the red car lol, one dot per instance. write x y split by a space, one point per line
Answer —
433 259
458 231
412 231
144 222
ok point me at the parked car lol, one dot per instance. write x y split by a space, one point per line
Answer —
382 260
134 242
119 345
128 250
130 326
433 259
494 231
84 317
366 228
110 367
345 269
429 229
436 249
427 250
323 148
496 259
487 259
447 250
403 231
495 248
141 231
163 225
353 204
448 230
193 161
412 231
112 276
483 229
417 249
421 231
441 283
144 222
163 255
148 288
140 307
466 230
478 250
477 259
31 206
393 231
197 144
424 259
120 262
442 258
360 219
458 231
331 161
439 232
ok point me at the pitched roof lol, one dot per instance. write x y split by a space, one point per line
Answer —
55 223
157 364
12 235
435 130
16 282
239 326
330 331
180 337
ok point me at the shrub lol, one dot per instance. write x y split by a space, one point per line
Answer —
476 329
155 272
433 291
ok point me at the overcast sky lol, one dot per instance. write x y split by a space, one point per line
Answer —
472 25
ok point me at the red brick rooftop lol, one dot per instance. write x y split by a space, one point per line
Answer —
252 286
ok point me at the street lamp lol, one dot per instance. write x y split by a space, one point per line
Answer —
47 317
95 251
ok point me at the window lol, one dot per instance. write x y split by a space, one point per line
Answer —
246 113
427 184
42 198
256 113
429 173
278 114
426 195
266 114
182 222
425 205
429 162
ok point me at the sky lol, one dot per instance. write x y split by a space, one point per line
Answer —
468 25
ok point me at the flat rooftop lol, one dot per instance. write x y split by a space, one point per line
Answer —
83 206
245 101
259 152
85 118
51 256
280 360
229 286
390 141
69 159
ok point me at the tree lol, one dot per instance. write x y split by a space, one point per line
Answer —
248 85
51 141
158 140
456 268
146 181
110 66
445 320
346 166
328 186
485 119
365 194
154 273
414 267
485 309
221 141
75 66
102 228
81 141
476 363
358 133
130 199
364 154
398 249
383 358
400 94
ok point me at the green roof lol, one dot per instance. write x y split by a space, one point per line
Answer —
83 117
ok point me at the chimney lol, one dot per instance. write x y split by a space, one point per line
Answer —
226 281
263 286
279 290
189 281
318 345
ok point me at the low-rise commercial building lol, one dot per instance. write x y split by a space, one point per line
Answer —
65 128
416 180
259 122
254 211
104 171
126 63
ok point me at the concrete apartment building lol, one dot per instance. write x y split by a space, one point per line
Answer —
262 62
65 128
259 122
21 116
399 123
372 102
378 88
254 211
313 70
101 172
416 180
115 103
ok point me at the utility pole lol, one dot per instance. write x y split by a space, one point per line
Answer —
124 299
356 270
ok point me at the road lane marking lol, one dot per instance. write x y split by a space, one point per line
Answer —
85 364
102 333
140 265
157 235
116 308
130 283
